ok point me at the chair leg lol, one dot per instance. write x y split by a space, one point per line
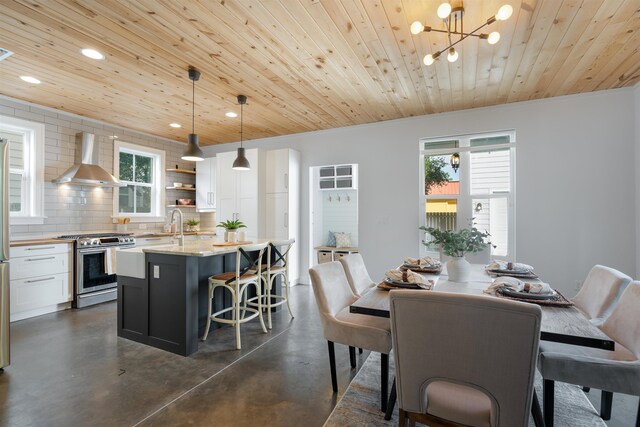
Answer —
236 302
547 402
586 389
352 356
285 283
268 293
332 366
384 383
536 412
402 421
206 331
360 350
638 416
606 401
392 401
258 284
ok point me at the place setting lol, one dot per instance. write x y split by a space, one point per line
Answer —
422 265
511 269
533 292
405 279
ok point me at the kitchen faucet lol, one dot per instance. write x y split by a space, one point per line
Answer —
181 237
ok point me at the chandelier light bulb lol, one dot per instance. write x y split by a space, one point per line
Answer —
417 28
452 56
428 59
444 10
504 12
494 37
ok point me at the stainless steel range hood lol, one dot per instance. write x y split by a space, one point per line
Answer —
86 170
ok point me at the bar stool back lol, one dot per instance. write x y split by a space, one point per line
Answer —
237 283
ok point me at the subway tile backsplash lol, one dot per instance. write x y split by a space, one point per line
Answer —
71 208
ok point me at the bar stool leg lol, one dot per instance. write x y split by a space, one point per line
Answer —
236 303
259 293
206 331
269 285
285 283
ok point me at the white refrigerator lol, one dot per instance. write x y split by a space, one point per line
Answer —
4 254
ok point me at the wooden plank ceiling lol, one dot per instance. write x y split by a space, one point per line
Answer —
304 64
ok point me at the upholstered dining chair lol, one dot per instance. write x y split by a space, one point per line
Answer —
237 282
615 371
600 293
357 274
333 297
464 360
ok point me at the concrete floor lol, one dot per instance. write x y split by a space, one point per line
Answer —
70 368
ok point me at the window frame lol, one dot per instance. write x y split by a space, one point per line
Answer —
464 149
32 194
157 213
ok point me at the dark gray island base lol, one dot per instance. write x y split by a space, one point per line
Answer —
168 308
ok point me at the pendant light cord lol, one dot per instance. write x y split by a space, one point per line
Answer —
241 122
193 106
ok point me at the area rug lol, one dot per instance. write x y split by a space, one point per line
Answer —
360 404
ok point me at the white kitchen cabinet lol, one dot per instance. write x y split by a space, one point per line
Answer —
41 279
206 185
338 177
238 195
282 204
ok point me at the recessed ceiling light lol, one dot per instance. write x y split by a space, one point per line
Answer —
30 79
231 114
175 125
92 53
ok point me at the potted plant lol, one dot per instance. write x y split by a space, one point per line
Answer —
456 244
192 224
231 225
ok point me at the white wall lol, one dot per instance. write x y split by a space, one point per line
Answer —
340 214
575 190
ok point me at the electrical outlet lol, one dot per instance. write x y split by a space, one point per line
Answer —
143 226
156 271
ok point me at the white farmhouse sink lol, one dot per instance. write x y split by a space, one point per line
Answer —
130 262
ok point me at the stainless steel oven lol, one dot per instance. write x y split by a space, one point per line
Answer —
95 275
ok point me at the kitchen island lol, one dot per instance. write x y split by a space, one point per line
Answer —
163 291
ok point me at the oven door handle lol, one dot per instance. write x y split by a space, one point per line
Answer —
92 251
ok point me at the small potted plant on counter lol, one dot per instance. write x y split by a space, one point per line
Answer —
231 225
456 244
192 224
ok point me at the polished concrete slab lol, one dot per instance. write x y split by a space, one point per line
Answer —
70 369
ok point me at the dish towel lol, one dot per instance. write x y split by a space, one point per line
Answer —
504 265
518 285
422 262
406 276
111 261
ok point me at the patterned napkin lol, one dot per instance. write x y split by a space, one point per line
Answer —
518 285
505 265
422 262
406 276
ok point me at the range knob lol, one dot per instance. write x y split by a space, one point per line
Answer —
83 243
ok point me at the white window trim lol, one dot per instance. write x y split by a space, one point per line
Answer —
157 213
33 211
465 165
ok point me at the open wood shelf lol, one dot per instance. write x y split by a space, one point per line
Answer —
182 188
182 171
181 206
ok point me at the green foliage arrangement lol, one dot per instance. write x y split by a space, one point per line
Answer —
192 222
458 243
232 224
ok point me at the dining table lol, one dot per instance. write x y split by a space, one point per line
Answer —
563 324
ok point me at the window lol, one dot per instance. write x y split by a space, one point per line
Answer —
26 169
479 188
141 169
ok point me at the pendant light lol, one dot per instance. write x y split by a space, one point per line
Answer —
241 163
193 153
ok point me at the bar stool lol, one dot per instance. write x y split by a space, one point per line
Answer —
274 270
237 283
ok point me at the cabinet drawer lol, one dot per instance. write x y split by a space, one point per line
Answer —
148 241
39 264
39 250
38 292
324 256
